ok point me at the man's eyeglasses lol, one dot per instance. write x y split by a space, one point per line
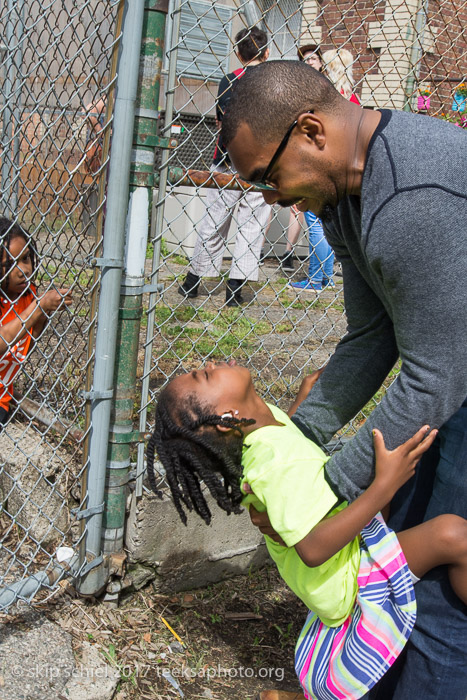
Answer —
262 184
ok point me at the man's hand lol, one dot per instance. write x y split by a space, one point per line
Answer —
305 388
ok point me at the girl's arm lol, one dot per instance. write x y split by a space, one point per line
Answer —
392 470
34 316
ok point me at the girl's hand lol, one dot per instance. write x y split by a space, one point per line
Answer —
305 388
53 299
395 467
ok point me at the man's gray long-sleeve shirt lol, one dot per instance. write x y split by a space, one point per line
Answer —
403 249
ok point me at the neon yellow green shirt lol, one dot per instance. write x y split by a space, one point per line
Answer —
286 472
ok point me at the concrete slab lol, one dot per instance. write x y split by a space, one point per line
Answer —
93 679
176 557
37 663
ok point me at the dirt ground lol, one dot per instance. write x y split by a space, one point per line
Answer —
232 639
228 641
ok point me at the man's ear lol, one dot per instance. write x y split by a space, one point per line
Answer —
266 55
312 126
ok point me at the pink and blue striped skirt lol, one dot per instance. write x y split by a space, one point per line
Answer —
343 663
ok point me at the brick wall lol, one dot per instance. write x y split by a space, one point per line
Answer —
442 62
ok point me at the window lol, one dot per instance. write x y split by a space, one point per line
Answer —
205 40
282 21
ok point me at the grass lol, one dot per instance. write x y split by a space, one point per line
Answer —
166 253
294 301
373 402
65 276
210 334
179 259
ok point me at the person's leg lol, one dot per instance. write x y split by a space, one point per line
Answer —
212 233
264 253
252 218
293 232
294 228
210 241
3 417
433 666
441 540
319 249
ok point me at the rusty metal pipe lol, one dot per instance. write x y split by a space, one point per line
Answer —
206 178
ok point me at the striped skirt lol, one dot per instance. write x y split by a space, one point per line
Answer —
345 662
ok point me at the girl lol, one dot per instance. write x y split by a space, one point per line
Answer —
23 315
353 573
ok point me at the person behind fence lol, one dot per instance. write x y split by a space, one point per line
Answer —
348 567
386 201
252 214
338 67
23 314
95 116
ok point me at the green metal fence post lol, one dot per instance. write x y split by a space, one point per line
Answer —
145 143
94 574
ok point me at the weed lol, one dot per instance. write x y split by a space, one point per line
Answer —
286 327
180 259
125 675
284 636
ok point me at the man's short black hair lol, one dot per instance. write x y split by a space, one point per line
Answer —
251 43
269 97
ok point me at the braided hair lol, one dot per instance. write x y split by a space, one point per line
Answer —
192 452
10 230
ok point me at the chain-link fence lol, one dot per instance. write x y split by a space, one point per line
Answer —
398 54
55 73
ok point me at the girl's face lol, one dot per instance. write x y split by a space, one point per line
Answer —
18 276
222 385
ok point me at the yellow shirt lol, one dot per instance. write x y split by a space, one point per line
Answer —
286 472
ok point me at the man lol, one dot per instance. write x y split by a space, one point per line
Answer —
391 189
253 212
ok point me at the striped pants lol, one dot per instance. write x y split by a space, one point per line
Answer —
344 662
252 218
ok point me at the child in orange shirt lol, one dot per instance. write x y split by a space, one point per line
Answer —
23 314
